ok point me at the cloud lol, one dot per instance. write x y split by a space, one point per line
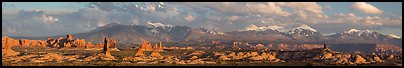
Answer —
307 6
366 8
245 8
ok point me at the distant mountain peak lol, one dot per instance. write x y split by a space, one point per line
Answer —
106 26
357 32
158 24
261 28
304 26
305 29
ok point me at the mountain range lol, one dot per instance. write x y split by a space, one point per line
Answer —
157 32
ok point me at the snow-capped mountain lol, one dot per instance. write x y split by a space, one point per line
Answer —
352 33
303 30
215 31
261 28
155 32
362 36
159 25
305 33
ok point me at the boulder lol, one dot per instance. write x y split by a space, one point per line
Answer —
146 46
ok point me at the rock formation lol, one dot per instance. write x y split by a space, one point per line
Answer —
360 60
24 42
7 47
158 47
327 55
106 49
51 42
155 54
139 52
104 55
113 43
146 46
376 58
89 45
79 43
344 59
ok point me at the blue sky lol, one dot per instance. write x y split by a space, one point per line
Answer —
386 17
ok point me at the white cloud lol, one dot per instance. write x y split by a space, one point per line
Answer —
247 8
366 8
307 6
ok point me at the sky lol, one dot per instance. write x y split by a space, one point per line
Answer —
58 18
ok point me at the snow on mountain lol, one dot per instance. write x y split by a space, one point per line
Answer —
261 28
215 31
302 29
357 32
158 24
393 36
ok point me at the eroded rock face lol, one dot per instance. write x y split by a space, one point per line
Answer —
146 46
139 52
106 49
7 47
